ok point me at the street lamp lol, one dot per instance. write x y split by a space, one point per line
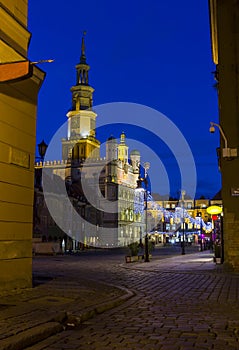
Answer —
216 210
139 186
42 147
183 242
227 153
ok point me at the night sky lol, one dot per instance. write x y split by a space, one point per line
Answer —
155 53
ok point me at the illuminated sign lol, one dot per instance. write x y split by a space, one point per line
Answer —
214 210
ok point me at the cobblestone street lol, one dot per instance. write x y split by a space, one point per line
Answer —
176 305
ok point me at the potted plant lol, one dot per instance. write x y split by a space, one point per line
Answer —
134 249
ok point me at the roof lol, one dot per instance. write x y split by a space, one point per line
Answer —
135 152
111 138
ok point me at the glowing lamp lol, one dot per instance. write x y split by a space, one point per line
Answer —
214 210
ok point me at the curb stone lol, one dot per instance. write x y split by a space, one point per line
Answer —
30 336
75 319
61 322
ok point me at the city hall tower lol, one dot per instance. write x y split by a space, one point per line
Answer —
81 142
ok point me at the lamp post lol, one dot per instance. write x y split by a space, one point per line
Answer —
146 259
183 241
199 216
202 243
42 147
139 186
216 210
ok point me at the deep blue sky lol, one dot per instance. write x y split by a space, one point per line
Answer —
156 53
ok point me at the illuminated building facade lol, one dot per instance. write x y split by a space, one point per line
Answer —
119 170
166 219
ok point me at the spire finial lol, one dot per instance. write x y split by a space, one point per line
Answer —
122 137
83 57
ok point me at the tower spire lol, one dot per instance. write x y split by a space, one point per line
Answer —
81 117
83 56
123 149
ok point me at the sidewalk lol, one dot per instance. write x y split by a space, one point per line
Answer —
29 316
192 262
62 302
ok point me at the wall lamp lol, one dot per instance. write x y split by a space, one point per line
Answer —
228 153
42 61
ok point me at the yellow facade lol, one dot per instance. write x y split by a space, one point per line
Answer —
18 8
18 103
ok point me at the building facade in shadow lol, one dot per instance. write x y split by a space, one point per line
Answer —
224 24
19 86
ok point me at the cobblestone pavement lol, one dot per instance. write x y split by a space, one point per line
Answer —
179 303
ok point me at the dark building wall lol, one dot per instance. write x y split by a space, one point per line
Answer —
224 15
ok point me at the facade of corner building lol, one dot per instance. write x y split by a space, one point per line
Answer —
224 25
18 104
111 181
